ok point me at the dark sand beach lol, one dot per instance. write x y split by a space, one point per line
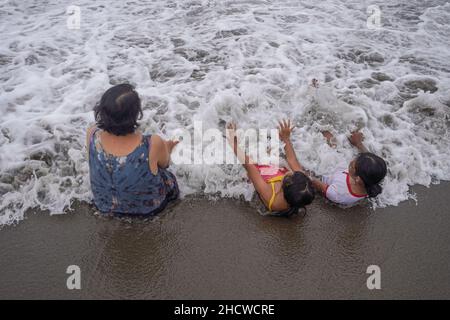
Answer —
225 250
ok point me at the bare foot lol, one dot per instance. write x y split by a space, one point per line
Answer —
331 140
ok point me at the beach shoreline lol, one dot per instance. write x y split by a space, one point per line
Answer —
200 249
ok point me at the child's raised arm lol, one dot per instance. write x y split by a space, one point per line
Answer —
263 189
284 131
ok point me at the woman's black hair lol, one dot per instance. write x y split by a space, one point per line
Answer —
371 169
298 192
118 110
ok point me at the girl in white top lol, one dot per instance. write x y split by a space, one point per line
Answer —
339 189
360 180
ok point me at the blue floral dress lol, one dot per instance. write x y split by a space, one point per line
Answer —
126 185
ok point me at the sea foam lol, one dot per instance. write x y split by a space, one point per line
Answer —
250 61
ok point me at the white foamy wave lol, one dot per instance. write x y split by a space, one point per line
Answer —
250 61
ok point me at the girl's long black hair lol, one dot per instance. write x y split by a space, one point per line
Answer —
371 169
298 192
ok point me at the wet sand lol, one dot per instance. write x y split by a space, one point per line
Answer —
225 250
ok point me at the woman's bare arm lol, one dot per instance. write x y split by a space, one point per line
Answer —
160 152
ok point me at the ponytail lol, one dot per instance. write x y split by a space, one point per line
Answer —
371 169
373 190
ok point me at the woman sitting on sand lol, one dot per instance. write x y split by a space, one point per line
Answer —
127 168
360 180
282 191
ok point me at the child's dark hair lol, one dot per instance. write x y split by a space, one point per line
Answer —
298 192
371 169
118 110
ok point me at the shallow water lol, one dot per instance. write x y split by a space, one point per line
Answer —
215 61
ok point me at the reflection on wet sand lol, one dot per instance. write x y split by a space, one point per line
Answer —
199 249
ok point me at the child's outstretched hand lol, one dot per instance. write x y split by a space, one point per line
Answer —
285 130
231 126
356 138
233 141
331 140
231 132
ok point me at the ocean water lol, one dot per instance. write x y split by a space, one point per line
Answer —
216 61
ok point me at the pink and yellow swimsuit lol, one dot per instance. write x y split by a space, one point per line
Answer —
272 174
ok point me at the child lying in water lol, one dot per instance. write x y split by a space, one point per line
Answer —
282 191
360 180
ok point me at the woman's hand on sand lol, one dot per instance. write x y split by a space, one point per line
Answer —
285 129
171 144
